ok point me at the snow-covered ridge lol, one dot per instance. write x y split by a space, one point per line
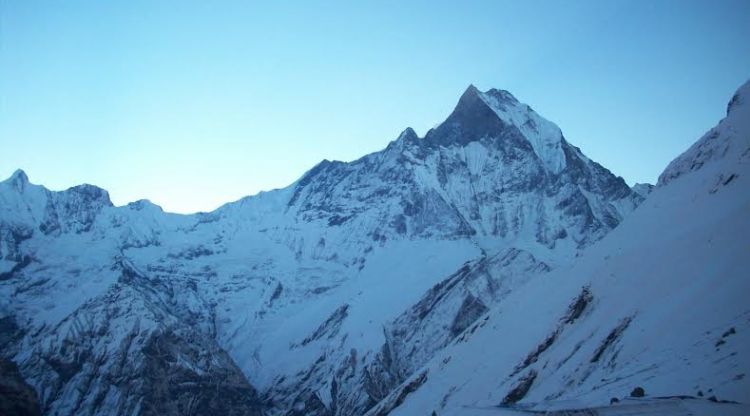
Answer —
730 139
545 137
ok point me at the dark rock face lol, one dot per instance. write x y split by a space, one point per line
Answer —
16 396
395 399
520 390
172 389
10 332
11 237
24 261
330 327
473 120
575 310
77 207
611 338
471 309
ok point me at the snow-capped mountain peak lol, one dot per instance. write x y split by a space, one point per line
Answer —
18 180
497 116
405 138
471 120
408 134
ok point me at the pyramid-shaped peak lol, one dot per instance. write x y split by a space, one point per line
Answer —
478 112
19 175
497 116
473 100
408 134
470 99
18 180
471 90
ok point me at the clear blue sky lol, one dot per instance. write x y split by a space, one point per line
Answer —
193 104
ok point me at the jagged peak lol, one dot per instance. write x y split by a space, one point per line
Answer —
18 179
470 91
471 120
471 100
19 174
493 105
408 134
497 114
495 99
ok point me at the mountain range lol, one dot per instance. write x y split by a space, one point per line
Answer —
487 265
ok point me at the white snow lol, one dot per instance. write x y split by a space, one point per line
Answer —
545 136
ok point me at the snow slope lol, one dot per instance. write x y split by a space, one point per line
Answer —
660 303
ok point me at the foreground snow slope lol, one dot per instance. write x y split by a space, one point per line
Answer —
661 302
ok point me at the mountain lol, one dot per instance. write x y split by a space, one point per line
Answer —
319 298
660 303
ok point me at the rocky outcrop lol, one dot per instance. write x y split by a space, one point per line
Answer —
16 396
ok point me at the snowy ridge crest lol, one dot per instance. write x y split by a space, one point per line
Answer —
727 143
545 137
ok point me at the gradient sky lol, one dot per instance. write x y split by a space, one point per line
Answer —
194 104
